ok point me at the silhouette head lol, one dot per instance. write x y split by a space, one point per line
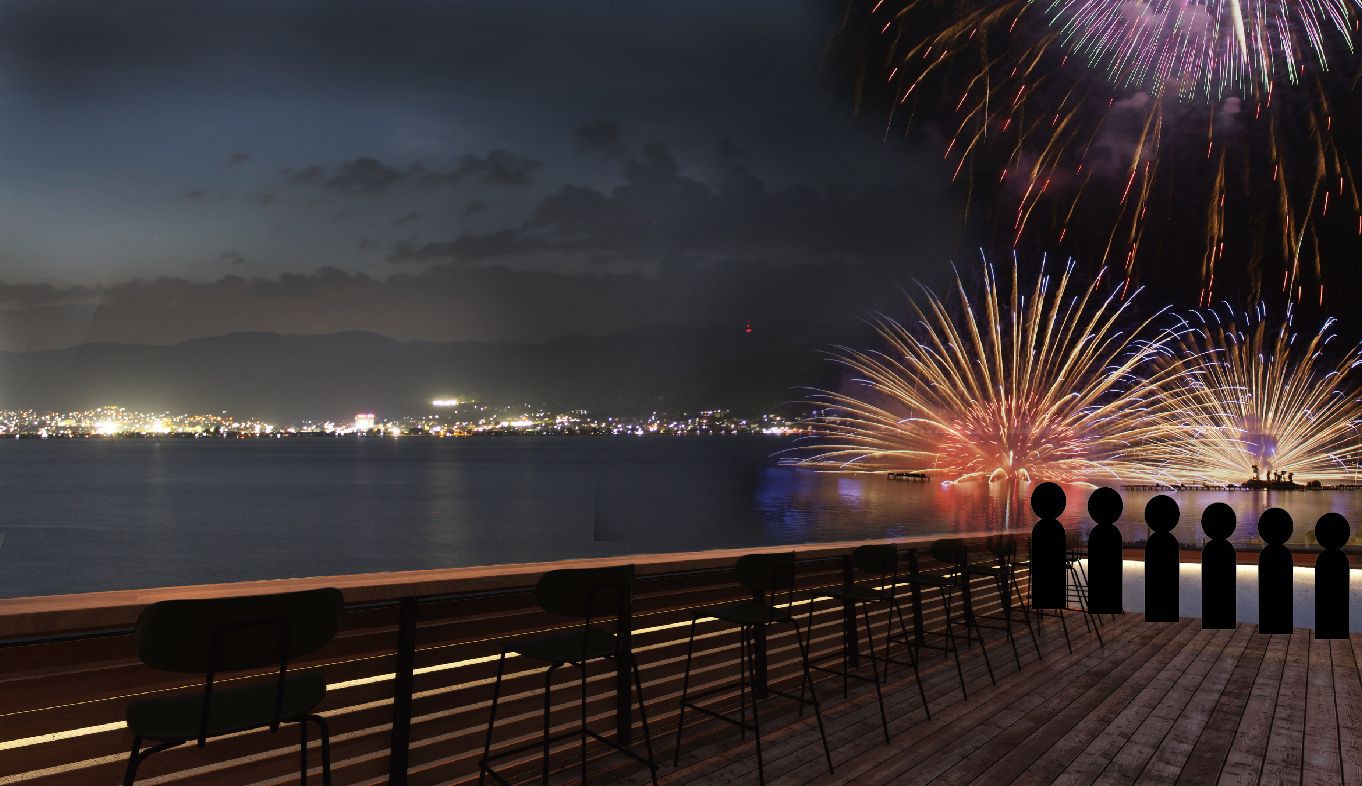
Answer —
1104 505
1274 526
1331 531
1217 521
1047 501
1161 513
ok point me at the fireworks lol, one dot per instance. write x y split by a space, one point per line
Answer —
1138 132
1211 49
1256 396
1044 384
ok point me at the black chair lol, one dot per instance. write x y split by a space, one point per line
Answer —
948 579
217 635
591 595
880 564
766 576
1002 569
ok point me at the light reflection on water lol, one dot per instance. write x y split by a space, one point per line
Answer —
806 505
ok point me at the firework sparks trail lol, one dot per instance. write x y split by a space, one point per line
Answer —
1091 116
1045 384
1256 393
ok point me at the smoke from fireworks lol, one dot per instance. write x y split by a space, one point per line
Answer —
1045 384
1257 393
1144 131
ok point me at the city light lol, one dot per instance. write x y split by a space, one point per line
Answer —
445 403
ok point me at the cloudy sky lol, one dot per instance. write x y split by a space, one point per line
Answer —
486 170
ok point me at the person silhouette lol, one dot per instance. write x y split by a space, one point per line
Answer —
1218 568
1331 578
1049 581
1161 560
1104 553
1274 573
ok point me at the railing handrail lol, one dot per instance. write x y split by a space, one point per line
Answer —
78 615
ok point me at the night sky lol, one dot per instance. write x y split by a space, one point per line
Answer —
446 171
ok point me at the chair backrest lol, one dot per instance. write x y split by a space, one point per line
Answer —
586 593
206 635
949 551
766 574
879 559
1002 545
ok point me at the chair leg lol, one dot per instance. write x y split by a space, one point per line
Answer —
643 718
134 759
548 708
742 682
302 752
756 724
324 731
912 656
685 688
817 712
874 667
582 671
492 719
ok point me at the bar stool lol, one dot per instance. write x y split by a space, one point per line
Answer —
947 580
587 594
1003 548
880 563
765 576
213 635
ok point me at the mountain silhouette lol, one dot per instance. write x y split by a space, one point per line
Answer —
291 377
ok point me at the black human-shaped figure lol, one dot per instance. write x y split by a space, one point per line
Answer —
1161 560
1104 553
1274 573
1331 578
1218 566
1049 581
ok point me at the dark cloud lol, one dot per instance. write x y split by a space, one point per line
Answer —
237 158
407 218
367 176
660 215
266 198
366 244
602 136
307 176
232 257
473 206
195 194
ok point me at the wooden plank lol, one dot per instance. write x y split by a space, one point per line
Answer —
1284 755
1095 714
1321 762
1089 765
1348 694
1017 744
1183 726
1244 761
1213 744
907 755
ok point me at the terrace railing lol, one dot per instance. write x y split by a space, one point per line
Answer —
409 674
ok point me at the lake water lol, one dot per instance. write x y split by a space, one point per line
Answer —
94 514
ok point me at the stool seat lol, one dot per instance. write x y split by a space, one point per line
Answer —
746 612
569 647
854 592
177 718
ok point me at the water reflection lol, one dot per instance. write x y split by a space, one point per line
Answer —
802 505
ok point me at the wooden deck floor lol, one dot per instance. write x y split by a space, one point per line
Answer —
1159 703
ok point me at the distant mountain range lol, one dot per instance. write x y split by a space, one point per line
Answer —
291 377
